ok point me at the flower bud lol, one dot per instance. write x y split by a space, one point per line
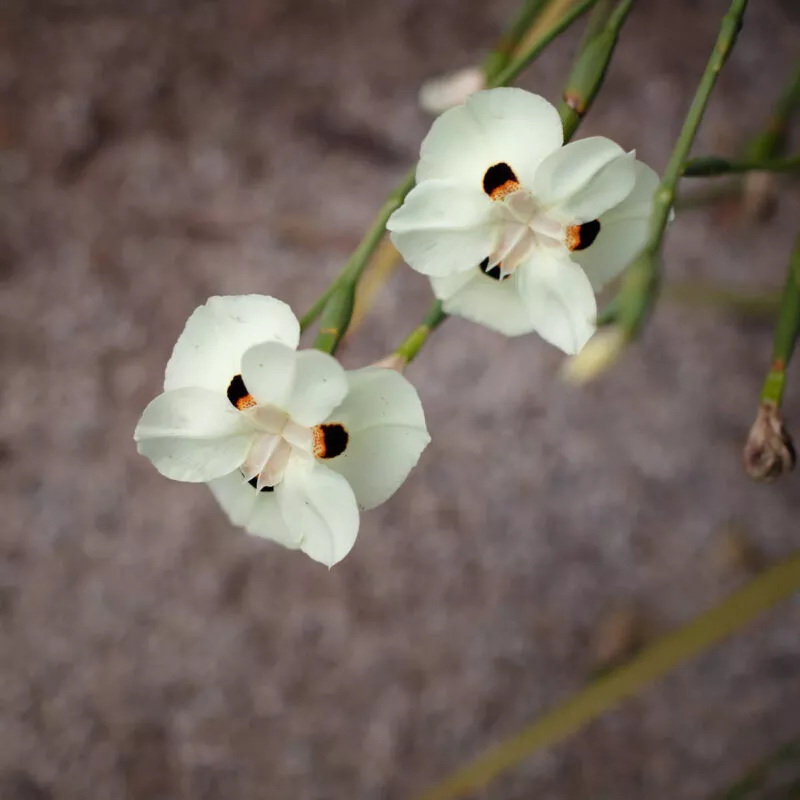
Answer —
598 354
769 451
452 89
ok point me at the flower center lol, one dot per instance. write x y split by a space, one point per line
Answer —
526 225
277 439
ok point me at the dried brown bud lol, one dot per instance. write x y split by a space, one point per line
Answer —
769 451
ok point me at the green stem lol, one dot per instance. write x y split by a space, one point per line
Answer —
505 76
335 318
362 254
711 166
501 55
589 68
757 775
642 280
414 342
772 139
769 588
787 331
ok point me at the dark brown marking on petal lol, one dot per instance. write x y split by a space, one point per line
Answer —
579 237
254 483
495 272
330 440
238 394
499 180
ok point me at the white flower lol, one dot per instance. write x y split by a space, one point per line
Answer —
289 442
516 231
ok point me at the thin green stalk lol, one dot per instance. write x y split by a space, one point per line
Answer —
766 590
641 283
589 68
711 166
771 141
361 255
499 58
787 331
757 776
414 342
505 76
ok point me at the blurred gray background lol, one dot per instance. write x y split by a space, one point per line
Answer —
153 153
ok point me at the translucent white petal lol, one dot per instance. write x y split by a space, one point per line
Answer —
617 244
623 231
571 167
209 351
193 435
383 416
319 386
444 227
608 188
479 298
319 509
268 371
559 299
505 125
256 511
639 203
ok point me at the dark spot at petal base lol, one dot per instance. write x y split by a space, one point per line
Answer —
238 394
254 483
584 235
330 440
495 272
497 176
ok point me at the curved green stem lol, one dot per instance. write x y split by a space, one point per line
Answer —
505 76
642 280
711 166
787 331
414 342
769 588
589 68
500 56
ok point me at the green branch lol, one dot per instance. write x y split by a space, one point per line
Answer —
769 588
711 166
642 280
589 68
519 64
787 331
500 56
414 342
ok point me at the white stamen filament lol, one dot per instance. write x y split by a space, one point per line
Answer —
280 439
527 226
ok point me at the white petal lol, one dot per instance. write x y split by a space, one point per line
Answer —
268 371
505 125
209 351
559 299
444 227
319 386
256 511
623 232
319 509
584 179
479 298
193 435
383 416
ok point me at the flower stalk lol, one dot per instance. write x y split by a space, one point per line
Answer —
589 68
712 166
642 281
499 58
766 590
414 342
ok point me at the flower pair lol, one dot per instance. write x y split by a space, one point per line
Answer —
516 231
289 442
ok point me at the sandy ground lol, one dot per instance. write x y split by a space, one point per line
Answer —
154 153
